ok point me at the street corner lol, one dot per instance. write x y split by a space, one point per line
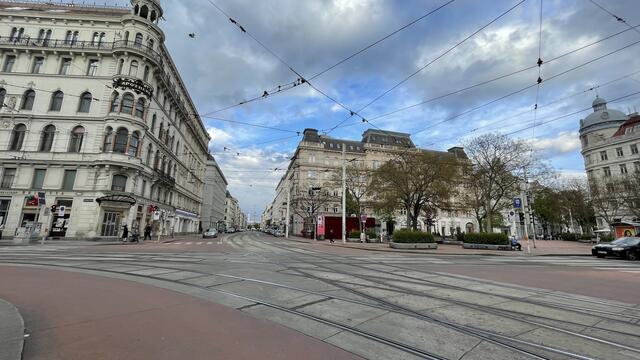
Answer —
12 331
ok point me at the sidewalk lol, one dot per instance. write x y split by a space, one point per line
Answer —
100 318
11 332
543 248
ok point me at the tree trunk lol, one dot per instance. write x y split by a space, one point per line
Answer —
488 217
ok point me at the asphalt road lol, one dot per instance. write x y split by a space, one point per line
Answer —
367 304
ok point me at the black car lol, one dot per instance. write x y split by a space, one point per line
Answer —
626 247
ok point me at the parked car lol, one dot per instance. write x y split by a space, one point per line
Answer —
626 247
278 233
230 230
210 233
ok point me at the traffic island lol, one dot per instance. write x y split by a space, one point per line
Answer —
11 332
487 247
423 246
486 241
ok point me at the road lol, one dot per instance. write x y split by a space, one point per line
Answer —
334 302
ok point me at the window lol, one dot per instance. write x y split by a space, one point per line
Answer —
14 32
96 37
46 138
122 137
92 70
140 108
4 210
119 183
7 178
68 180
133 68
68 37
634 149
150 43
133 144
56 101
637 166
115 102
156 159
17 137
623 169
38 179
3 94
312 158
312 175
8 63
149 152
144 188
47 38
145 77
127 104
107 143
28 99
603 156
138 40
75 37
65 66
607 171
77 136
38 63
85 102
588 159
153 123
619 152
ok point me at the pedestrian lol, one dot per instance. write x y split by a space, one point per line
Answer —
125 233
515 245
147 232
331 236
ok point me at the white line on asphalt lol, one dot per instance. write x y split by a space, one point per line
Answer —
209 243
199 243
189 243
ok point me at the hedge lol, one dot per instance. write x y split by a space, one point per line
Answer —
486 238
569 237
355 234
412 237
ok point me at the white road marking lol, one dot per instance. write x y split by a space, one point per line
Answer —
209 243
199 243
189 243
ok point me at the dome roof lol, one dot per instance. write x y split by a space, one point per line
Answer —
603 117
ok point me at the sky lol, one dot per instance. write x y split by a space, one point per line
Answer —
223 66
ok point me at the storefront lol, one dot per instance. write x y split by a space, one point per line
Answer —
115 211
186 222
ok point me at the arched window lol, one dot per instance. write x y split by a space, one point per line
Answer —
133 144
119 183
140 108
56 101
77 136
156 159
28 99
17 137
178 147
122 138
127 104
107 143
76 35
102 37
40 35
96 37
153 16
3 94
153 123
149 153
150 43
47 37
46 138
68 37
133 68
175 170
136 9
138 40
161 131
144 11
120 66
163 169
145 77
20 33
85 102
14 33
126 36
115 102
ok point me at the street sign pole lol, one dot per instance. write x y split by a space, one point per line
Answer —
344 194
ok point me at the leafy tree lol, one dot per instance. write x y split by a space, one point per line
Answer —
357 181
413 181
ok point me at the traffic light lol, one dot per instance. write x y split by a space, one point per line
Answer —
521 218
54 208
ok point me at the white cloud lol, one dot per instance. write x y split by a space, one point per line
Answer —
564 142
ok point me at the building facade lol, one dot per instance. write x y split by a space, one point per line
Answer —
215 196
610 140
96 118
233 216
316 168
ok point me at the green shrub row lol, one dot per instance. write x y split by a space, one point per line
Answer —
355 234
412 237
486 238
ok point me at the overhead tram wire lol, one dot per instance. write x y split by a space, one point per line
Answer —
281 88
395 86
529 86
250 124
500 77
618 18
539 80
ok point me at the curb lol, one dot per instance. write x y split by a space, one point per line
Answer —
12 333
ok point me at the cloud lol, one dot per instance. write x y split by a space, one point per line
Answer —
564 142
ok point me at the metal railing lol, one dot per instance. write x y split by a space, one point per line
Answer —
80 45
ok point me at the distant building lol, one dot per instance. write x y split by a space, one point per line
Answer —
214 197
315 165
95 116
233 216
610 141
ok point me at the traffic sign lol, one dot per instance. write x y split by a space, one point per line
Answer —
363 218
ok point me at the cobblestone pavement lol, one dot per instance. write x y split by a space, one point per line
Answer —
388 305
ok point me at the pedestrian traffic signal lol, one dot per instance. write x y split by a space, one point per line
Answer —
54 208
521 218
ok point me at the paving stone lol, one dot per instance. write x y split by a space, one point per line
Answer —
210 280
549 312
481 320
416 303
306 326
468 296
368 349
149 272
178 275
421 334
261 291
343 312
486 350
412 286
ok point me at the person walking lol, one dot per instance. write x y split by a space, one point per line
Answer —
125 233
147 232
331 236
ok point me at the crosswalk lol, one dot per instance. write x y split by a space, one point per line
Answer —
193 242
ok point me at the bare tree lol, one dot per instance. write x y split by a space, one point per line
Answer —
357 181
498 165
307 203
413 181
606 196
630 187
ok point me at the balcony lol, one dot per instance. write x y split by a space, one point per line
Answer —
164 178
92 46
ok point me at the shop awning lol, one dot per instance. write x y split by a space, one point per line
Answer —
119 199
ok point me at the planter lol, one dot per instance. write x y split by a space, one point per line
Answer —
429 246
487 247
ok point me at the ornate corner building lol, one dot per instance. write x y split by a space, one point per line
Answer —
95 116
